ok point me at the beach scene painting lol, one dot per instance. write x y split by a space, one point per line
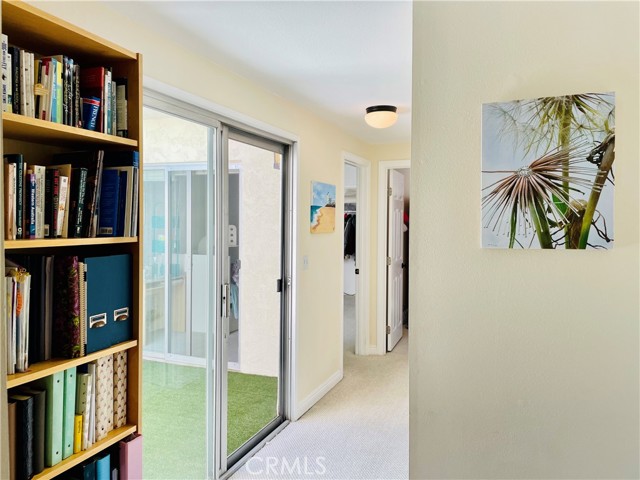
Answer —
547 172
323 207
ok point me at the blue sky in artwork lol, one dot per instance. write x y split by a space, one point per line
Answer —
322 193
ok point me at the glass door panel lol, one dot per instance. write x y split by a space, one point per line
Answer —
179 286
255 262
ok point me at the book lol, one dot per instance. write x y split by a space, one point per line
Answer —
10 201
48 307
127 161
82 267
68 411
20 334
103 467
131 457
109 192
93 161
92 85
52 191
15 77
39 425
6 86
10 84
18 160
13 438
30 225
63 218
77 434
39 172
11 291
119 389
54 386
104 397
66 304
25 435
78 198
77 103
122 96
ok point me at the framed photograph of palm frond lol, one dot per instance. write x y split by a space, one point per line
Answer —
547 172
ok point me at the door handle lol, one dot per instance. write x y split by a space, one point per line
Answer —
225 300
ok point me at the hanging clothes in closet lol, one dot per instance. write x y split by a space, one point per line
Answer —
350 234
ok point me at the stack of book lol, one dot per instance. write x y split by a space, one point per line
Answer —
65 413
57 306
53 87
80 195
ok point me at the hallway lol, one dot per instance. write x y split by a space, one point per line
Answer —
359 430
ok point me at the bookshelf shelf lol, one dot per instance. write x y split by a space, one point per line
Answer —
44 369
112 438
21 127
65 242
31 30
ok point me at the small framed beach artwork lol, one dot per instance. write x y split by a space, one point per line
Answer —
323 207
548 172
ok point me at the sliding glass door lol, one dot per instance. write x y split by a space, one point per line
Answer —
216 263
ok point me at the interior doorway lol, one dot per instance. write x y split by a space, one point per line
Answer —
356 201
393 253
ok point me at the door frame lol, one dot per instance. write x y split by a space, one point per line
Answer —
363 258
174 100
384 166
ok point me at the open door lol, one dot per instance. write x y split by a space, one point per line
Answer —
395 265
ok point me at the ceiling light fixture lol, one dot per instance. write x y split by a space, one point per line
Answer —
381 116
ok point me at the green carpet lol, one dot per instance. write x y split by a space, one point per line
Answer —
174 414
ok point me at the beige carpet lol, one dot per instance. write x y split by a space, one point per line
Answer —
359 430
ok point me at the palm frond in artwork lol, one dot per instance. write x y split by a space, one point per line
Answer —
530 194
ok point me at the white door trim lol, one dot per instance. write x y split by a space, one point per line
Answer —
363 249
383 167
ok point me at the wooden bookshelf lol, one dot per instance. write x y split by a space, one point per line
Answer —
20 127
49 367
112 438
36 31
65 242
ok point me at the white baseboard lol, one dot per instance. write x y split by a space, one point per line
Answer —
373 350
316 395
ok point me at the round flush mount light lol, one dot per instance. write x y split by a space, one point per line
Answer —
381 116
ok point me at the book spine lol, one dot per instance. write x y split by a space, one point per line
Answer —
10 201
15 77
62 204
78 210
51 202
78 99
40 173
18 160
9 83
4 45
121 109
122 203
59 91
109 203
32 185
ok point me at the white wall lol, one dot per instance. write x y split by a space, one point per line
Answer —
523 364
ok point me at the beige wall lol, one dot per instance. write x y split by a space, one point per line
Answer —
523 364
320 150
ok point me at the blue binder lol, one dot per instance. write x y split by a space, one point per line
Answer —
109 295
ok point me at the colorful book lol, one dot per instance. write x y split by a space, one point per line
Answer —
18 160
119 389
63 218
77 434
109 203
104 397
30 225
66 308
40 173
92 85
78 198
54 386
52 192
25 435
10 201
69 412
